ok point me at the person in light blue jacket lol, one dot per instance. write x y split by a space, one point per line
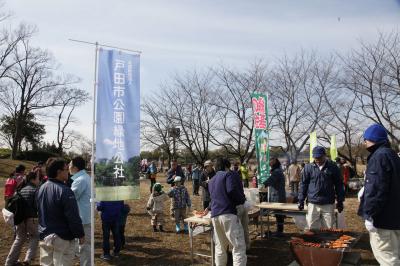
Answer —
81 188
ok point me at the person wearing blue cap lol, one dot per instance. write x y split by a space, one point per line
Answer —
379 204
321 184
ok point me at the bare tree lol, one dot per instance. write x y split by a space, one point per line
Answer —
9 39
30 85
190 98
295 101
235 126
391 46
338 117
157 120
306 93
81 145
70 99
4 14
371 75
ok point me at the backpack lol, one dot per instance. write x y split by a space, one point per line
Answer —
10 186
17 205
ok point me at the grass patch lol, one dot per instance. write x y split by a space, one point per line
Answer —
5 153
7 166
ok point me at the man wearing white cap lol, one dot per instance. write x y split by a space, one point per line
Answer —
207 174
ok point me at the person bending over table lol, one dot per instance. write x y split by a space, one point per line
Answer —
226 195
276 182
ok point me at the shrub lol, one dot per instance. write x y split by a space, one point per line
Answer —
5 153
36 155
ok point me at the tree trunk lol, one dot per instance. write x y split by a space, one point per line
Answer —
16 139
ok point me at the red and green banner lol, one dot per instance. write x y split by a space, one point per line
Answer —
260 119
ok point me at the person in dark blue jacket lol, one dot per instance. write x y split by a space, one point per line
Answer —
321 184
59 220
111 212
226 194
175 170
276 183
379 204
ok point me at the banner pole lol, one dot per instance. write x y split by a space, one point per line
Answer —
95 85
105 45
92 196
268 152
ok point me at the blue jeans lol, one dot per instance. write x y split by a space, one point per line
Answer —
114 228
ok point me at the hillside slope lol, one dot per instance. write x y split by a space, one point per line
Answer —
7 166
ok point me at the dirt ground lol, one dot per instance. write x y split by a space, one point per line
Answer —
144 247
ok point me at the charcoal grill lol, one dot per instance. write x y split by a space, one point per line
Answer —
321 256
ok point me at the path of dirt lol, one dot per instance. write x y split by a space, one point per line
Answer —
147 248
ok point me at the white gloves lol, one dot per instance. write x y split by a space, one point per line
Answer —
48 240
370 226
360 193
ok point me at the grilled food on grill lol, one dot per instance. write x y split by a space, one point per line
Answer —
309 233
300 241
346 237
342 242
333 230
198 213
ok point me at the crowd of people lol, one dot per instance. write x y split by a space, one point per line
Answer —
51 205
320 184
57 195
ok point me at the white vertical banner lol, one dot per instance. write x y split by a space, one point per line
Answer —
117 159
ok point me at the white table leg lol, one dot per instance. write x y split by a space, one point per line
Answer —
261 224
191 241
212 246
268 225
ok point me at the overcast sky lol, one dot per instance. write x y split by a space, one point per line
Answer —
178 35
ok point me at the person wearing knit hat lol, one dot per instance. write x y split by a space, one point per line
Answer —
380 199
376 133
155 207
321 184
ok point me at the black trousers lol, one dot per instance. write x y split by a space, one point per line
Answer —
152 182
196 186
114 228
280 220
205 204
